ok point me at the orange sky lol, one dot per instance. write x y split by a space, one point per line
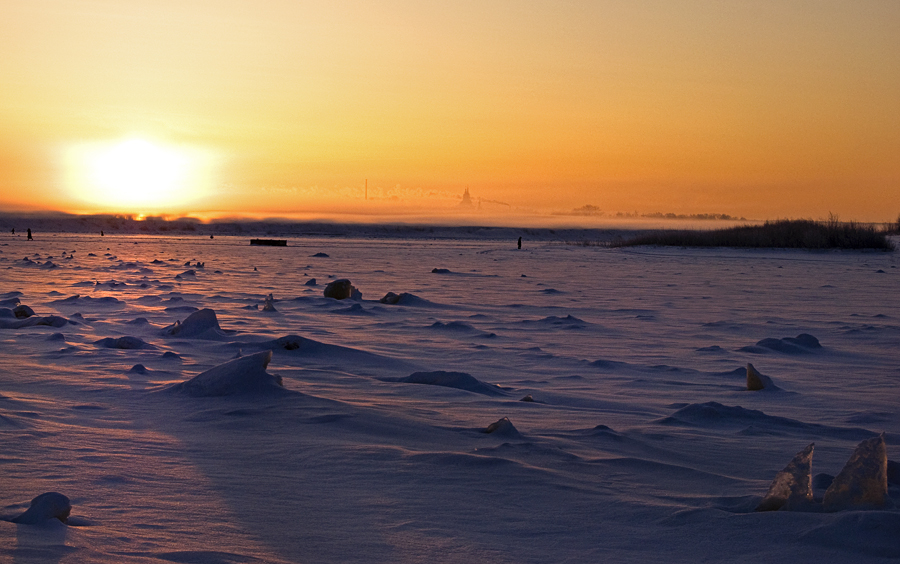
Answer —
761 109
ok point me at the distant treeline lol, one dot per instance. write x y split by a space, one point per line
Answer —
786 234
112 225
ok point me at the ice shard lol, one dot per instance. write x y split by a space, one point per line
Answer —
792 487
863 481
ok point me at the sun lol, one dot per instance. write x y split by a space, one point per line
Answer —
136 175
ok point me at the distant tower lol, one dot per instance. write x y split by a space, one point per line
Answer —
466 201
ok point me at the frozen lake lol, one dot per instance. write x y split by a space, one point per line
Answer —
642 443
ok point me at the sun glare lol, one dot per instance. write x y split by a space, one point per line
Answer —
137 175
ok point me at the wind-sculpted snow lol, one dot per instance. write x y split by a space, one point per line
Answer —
313 350
642 442
715 415
202 324
458 380
242 376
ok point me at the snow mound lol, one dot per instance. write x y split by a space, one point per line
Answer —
310 282
202 324
407 299
569 321
458 380
50 505
502 428
124 343
9 321
242 376
269 303
76 299
453 326
792 487
390 298
715 415
863 481
801 344
342 289
311 349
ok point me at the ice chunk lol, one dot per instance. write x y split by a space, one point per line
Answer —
792 487
270 304
755 380
863 481
241 376
50 505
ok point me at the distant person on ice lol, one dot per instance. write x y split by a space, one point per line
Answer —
29 235
13 231
520 242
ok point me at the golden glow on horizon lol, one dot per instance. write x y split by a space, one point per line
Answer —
135 174
764 109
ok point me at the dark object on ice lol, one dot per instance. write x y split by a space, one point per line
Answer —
310 282
458 380
320 255
527 398
440 271
520 242
390 298
211 237
269 242
50 505
101 233
29 234
22 311
341 290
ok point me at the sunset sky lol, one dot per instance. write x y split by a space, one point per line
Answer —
761 109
